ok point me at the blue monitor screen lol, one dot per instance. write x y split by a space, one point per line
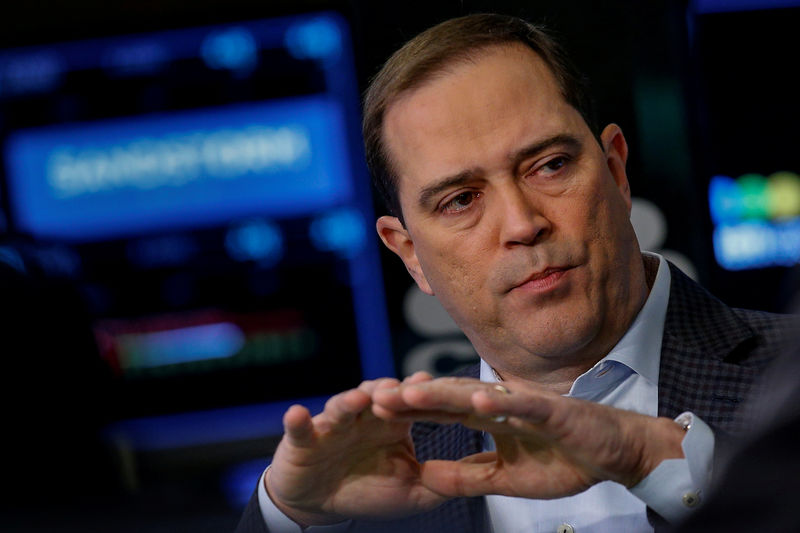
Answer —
171 170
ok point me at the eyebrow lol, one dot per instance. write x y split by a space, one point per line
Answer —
564 139
427 194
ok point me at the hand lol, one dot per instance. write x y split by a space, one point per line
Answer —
347 463
548 446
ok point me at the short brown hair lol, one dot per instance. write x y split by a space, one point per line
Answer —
430 52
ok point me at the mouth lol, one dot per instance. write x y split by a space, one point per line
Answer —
543 280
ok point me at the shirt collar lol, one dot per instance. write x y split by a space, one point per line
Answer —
640 348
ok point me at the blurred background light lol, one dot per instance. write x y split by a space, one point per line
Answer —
319 39
139 57
725 6
255 240
239 481
757 244
183 345
342 231
232 49
29 72
725 200
12 258
783 195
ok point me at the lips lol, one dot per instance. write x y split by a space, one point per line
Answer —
543 279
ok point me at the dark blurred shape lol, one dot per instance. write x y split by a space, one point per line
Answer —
756 487
56 394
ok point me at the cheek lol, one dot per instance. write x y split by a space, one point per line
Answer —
457 270
609 235
581 222
457 273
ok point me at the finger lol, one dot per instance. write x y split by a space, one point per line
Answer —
420 393
370 385
444 394
471 476
388 398
441 417
480 458
297 426
390 404
533 407
387 401
343 408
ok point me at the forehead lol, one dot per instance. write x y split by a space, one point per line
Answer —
492 74
473 112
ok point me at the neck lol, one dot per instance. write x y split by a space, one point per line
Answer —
559 380
650 271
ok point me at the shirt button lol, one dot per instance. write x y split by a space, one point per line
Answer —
691 499
565 528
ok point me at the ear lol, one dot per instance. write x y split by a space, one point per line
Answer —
396 238
616 149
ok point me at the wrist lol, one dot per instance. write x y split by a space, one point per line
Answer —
661 440
302 518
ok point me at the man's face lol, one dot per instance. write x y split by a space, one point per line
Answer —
515 217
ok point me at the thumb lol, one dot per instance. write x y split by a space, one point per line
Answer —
474 475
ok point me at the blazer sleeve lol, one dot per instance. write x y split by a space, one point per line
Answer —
252 521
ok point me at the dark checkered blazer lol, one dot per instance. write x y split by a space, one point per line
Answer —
710 356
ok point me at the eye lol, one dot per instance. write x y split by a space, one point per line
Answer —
555 164
459 202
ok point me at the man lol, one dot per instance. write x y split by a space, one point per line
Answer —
513 210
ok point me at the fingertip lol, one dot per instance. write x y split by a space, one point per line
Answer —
418 377
343 408
386 383
297 423
383 413
355 400
296 414
367 386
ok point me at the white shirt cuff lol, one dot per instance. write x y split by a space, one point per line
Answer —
677 486
277 522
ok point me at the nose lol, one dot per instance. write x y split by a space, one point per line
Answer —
522 222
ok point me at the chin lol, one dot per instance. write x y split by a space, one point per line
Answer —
566 338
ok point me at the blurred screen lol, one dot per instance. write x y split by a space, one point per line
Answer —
204 190
747 114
